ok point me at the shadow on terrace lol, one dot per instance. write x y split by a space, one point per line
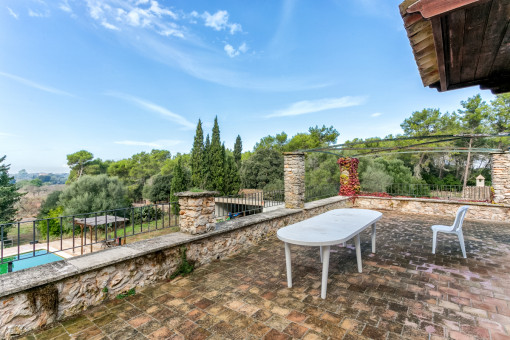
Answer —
404 292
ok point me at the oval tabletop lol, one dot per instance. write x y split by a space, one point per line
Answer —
333 227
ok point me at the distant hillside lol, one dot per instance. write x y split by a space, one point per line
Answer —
23 178
28 207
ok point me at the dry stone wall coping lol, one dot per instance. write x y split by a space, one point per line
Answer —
428 200
196 194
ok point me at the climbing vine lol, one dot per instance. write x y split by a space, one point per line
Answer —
349 182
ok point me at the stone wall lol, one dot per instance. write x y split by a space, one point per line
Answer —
294 179
500 169
477 211
37 296
197 211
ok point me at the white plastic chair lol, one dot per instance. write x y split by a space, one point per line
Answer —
456 228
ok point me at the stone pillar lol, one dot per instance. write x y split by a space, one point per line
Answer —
500 169
196 211
294 179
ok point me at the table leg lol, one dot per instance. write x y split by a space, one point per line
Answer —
289 265
373 238
358 251
325 269
320 252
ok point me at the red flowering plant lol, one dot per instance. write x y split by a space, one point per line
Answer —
349 181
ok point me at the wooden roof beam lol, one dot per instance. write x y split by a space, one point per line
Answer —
433 8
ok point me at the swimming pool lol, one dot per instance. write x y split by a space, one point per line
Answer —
27 260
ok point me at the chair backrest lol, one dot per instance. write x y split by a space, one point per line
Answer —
461 213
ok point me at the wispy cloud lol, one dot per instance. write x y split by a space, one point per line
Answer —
149 106
233 52
6 134
35 85
142 14
37 14
376 114
219 21
12 13
311 106
162 143
64 5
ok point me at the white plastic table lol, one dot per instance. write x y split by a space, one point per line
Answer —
331 228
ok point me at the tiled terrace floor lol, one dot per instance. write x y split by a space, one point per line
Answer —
403 292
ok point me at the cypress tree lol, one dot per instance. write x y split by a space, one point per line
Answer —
197 157
232 180
179 183
238 149
206 174
216 160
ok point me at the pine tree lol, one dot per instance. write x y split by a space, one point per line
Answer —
238 149
216 160
197 157
206 174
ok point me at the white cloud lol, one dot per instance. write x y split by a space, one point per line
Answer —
232 52
155 108
35 85
106 24
65 6
376 114
12 13
141 14
219 22
35 14
310 106
156 144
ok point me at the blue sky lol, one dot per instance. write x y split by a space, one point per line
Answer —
116 77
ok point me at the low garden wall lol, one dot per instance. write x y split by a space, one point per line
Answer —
477 211
38 296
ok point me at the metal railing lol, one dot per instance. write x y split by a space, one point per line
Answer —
232 206
446 192
82 232
317 193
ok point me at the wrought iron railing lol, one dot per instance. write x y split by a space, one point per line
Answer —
232 206
82 232
447 192
317 193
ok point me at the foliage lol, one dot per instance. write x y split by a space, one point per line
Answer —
216 160
232 182
322 171
130 292
52 222
197 156
51 202
9 196
78 160
180 182
349 181
238 150
375 178
160 189
265 166
145 213
93 193
185 267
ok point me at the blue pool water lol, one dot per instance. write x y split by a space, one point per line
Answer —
27 260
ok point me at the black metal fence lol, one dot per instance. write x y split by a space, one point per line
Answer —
447 192
232 206
317 193
22 240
